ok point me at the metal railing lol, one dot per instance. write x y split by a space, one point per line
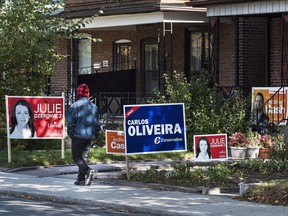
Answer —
102 67
110 104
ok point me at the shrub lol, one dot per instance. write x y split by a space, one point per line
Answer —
208 110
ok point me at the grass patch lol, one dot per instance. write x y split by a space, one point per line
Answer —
274 192
48 158
34 158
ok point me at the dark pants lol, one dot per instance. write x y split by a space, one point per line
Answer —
80 152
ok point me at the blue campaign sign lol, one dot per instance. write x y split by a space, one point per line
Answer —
154 128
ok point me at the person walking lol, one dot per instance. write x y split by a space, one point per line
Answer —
83 127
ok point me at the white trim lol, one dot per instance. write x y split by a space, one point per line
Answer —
146 18
248 8
123 41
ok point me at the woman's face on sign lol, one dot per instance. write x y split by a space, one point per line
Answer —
203 146
22 115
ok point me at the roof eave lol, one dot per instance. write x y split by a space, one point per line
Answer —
205 3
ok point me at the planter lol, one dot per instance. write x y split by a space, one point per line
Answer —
252 152
265 153
238 152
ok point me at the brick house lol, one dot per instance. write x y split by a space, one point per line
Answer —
137 42
250 41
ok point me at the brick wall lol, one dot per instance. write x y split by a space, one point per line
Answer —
59 81
227 50
104 50
172 53
275 51
252 51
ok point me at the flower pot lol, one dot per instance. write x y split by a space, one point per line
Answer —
265 153
252 152
238 152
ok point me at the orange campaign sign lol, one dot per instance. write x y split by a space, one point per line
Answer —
115 142
273 108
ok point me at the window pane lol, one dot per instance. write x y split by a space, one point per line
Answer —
84 55
151 57
196 51
199 51
122 56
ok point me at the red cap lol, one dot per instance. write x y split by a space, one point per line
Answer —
83 91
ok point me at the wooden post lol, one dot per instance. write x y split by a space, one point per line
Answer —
9 149
62 149
127 167
64 132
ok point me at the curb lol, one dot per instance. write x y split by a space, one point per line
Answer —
222 191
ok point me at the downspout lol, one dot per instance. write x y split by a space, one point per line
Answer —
218 50
73 68
236 24
209 46
171 50
268 75
159 58
282 49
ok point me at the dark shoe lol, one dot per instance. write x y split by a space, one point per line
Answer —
89 177
80 183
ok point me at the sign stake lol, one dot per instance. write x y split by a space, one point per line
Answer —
127 167
9 150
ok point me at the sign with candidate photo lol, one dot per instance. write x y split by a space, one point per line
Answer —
210 147
33 117
268 109
154 128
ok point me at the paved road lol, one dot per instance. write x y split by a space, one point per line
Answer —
15 206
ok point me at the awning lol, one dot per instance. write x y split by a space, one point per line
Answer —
146 18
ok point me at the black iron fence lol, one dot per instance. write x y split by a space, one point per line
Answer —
110 104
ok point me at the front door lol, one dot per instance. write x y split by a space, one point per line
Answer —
150 65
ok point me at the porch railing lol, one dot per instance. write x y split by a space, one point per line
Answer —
106 67
110 104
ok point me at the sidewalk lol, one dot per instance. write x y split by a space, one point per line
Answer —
50 184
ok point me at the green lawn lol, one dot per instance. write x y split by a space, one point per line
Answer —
20 158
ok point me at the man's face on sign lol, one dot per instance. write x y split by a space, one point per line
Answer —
259 102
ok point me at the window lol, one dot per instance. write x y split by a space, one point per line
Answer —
198 51
151 60
122 55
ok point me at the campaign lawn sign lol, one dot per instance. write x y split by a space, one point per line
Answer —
115 143
154 128
275 109
47 113
216 148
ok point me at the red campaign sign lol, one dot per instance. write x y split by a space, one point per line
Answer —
44 114
210 147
